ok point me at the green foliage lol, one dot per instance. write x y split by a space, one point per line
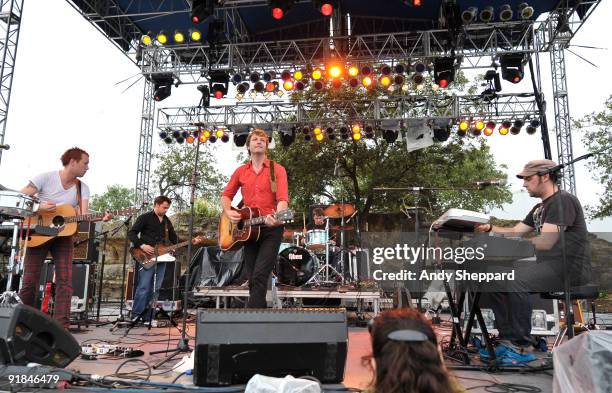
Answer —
596 129
115 197
173 173
207 208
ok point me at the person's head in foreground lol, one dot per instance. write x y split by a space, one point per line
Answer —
405 355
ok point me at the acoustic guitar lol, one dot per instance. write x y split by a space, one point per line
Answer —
233 236
163 253
65 220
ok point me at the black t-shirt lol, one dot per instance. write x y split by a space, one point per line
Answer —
564 209
151 230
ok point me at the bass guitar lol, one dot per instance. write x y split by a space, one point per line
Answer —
232 236
64 219
163 253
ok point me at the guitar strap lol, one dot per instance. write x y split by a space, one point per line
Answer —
78 190
166 236
272 184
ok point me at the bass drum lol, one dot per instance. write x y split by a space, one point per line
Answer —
295 266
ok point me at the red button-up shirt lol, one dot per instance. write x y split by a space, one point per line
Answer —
255 187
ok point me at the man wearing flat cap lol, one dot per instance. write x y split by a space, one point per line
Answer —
558 211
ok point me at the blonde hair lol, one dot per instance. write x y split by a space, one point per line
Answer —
257 132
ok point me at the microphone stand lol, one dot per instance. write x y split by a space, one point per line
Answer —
183 342
121 319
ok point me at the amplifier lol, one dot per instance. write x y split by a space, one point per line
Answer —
85 244
82 285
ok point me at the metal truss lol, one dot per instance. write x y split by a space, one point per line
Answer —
564 22
479 43
283 115
10 21
145 146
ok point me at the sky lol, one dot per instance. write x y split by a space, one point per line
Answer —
70 88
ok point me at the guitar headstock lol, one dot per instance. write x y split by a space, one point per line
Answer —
285 216
125 212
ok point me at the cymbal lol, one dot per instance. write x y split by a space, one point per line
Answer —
340 227
339 210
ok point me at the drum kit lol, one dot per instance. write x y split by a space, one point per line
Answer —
312 257
14 208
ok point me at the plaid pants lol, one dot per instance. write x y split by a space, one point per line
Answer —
61 249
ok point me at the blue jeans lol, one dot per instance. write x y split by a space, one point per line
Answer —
144 288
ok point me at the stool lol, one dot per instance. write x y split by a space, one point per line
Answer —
582 292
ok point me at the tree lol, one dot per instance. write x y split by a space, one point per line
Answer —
328 171
596 131
116 197
173 172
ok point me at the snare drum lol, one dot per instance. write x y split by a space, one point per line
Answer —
14 204
316 239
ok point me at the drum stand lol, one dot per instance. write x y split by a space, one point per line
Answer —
14 267
326 266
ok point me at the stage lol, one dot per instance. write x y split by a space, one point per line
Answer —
356 375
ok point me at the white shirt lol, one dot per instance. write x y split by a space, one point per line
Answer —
50 189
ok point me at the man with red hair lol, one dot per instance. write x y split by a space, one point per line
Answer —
254 179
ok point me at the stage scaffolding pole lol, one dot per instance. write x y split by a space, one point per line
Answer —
145 145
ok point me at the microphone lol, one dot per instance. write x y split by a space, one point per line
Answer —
491 182
5 147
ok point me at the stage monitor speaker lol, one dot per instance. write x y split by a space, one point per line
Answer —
29 336
232 345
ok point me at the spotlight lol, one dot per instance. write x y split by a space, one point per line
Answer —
285 75
487 14
413 3
399 80
280 8
344 130
201 9
505 127
180 140
240 139
335 71
385 80
444 71
367 81
168 140
288 85
254 77
353 71
353 82
162 38
369 132
336 83
306 130
307 137
512 67
419 67
163 134
479 125
475 130
405 88
318 85
190 139
317 130
385 69
147 39
356 136
162 92
203 138
400 68
269 76
212 139
219 91
329 131
515 130
176 134
441 134
516 127
299 85
526 11
236 78
505 13
179 37
287 137
356 128
493 75
532 127
298 75
219 133
319 137
489 128
259 87
225 138
366 70
326 7
317 74
418 79
390 135
195 35
464 125
468 16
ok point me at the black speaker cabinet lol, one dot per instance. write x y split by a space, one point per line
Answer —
233 345
27 335
170 288
82 284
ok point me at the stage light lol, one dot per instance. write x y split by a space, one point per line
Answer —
162 92
168 140
512 67
280 8
353 71
195 35
468 16
288 85
287 137
190 139
356 128
329 131
441 134
489 128
418 79
479 125
219 91
286 75
335 71
369 132
306 130
162 38
399 80
505 13
299 85
385 69
419 67
163 134
464 125
366 70
254 77
444 71
336 83
180 140
184 134
225 138
147 39
236 78
270 87
353 82
319 137
356 136
487 14
385 80
533 126
405 88
179 37
253 93
212 139
400 68
367 81
344 130
298 75
176 134
390 135
203 139
317 74
505 127
307 137
258 87
317 130
240 139
269 76
516 127
326 7
526 11
318 85
201 9
413 3
219 133
515 130
475 131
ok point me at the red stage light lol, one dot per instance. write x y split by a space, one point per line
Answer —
327 9
270 87
218 94
277 13
443 83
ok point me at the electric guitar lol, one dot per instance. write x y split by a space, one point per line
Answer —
232 236
65 220
162 253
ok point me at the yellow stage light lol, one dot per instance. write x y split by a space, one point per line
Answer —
353 71
317 131
195 35
179 37
319 137
366 81
385 80
335 71
316 74
147 39
298 75
162 38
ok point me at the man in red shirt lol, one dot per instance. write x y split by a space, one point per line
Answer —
253 180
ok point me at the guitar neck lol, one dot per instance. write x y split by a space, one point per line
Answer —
92 216
178 245
255 221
